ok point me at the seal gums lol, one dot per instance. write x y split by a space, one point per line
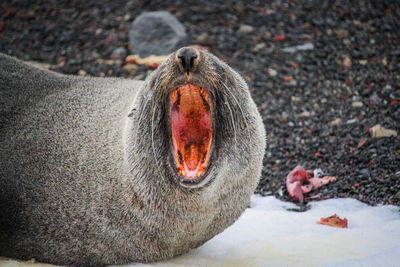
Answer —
191 130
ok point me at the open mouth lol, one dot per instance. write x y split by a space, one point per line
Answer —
191 131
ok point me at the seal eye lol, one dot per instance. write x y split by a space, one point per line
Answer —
191 130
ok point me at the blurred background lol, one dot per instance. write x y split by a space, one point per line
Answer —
324 74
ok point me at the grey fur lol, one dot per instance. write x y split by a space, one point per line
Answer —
85 176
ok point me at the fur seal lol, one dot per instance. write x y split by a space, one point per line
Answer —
98 171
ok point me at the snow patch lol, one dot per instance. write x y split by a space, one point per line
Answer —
269 234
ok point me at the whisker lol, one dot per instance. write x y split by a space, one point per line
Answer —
216 80
148 97
152 138
140 120
233 123
240 108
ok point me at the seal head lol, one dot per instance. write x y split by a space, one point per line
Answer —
195 108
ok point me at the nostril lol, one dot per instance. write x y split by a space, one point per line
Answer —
187 58
187 62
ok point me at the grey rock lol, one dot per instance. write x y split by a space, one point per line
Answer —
156 33
245 29
303 47
119 53
290 49
364 172
307 46
351 121
374 98
357 104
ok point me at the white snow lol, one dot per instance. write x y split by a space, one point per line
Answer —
268 234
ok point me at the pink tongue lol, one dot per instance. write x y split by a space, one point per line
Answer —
191 173
192 165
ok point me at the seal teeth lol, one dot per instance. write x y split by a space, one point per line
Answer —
205 102
178 101
180 157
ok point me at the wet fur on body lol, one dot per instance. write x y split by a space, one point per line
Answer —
85 169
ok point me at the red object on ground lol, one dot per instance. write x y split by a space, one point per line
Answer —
318 182
130 61
361 143
294 182
299 183
153 66
334 221
279 38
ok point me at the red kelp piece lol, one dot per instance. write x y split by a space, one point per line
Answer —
318 182
298 182
333 221
294 181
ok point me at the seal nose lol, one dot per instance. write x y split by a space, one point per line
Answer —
187 59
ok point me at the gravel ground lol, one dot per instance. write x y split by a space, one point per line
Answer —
322 73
